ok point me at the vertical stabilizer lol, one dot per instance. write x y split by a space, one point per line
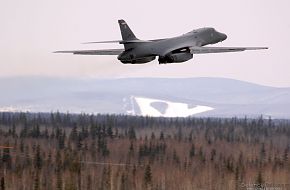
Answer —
126 32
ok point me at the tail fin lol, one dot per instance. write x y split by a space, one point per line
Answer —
127 35
126 32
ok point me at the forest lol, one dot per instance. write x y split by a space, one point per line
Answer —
63 151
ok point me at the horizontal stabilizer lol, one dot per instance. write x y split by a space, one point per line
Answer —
94 52
201 50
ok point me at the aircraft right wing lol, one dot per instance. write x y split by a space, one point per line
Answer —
94 52
201 50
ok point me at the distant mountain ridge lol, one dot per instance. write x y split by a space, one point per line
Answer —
223 97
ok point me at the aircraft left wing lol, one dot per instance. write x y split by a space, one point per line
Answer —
201 50
94 52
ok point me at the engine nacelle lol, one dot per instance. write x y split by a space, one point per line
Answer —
138 61
129 57
175 58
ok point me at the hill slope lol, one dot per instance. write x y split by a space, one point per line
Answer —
145 96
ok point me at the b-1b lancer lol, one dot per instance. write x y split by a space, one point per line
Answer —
170 50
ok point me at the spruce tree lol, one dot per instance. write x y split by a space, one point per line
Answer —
161 135
37 158
148 176
36 182
260 179
2 183
132 133
192 151
123 182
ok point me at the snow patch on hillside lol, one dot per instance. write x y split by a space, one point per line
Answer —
149 107
13 109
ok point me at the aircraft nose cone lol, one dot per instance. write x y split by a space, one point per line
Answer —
224 37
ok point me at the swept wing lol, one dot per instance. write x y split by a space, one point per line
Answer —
202 50
94 52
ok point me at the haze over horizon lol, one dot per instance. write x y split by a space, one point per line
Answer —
32 30
204 97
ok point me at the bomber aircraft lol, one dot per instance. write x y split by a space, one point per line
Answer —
169 50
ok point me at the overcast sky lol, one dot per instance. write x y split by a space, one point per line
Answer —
32 29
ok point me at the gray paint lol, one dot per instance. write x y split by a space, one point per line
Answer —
171 50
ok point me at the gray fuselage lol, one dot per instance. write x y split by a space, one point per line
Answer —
178 51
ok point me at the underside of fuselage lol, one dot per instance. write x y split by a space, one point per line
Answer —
134 56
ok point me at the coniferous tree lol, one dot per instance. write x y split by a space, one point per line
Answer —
148 176
259 179
45 134
13 130
201 154
106 178
152 136
263 152
132 133
6 158
105 150
175 157
212 154
38 158
59 183
61 140
123 185
2 183
131 149
89 182
74 133
285 156
161 135
179 134
192 151
110 130
237 177
36 183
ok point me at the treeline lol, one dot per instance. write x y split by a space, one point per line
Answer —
65 151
